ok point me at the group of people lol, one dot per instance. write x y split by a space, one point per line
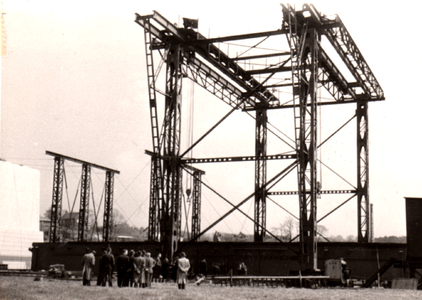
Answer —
134 269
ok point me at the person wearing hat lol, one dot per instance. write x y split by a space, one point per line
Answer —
183 266
88 263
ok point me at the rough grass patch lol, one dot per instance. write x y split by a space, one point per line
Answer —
26 288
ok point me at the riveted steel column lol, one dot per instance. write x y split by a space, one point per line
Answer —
108 205
56 204
172 172
363 172
260 174
196 204
83 210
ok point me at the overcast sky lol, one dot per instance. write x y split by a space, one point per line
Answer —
73 82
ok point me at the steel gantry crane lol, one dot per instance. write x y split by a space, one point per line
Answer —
85 182
189 54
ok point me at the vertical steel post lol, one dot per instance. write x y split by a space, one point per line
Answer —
196 204
172 172
56 204
84 205
363 171
260 174
154 203
108 205
305 66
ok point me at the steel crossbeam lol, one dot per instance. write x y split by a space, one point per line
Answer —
237 158
326 192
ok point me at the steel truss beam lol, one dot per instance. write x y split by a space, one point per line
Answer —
205 77
56 205
354 60
211 53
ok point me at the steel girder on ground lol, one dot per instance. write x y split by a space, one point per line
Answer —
189 54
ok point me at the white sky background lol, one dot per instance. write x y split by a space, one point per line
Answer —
73 82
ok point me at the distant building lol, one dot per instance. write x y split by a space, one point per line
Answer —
70 220
19 214
45 228
69 226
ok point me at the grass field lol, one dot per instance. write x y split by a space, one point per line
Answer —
26 288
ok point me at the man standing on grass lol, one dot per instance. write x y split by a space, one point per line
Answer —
88 263
149 268
107 265
183 267
138 269
122 264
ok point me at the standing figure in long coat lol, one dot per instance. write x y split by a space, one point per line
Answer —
149 268
183 267
88 263
139 269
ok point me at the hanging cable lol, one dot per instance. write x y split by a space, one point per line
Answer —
319 108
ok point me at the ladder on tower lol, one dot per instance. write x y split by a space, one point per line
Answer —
156 195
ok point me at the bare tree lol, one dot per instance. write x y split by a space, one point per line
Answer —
322 232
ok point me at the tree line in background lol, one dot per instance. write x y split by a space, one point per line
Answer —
288 231
120 228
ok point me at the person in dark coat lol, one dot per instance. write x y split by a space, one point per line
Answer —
157 268
173 268
122 264
130 268
100 271
107 265
165 269
203 267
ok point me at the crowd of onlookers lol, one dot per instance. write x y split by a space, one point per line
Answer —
139 268
135 268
